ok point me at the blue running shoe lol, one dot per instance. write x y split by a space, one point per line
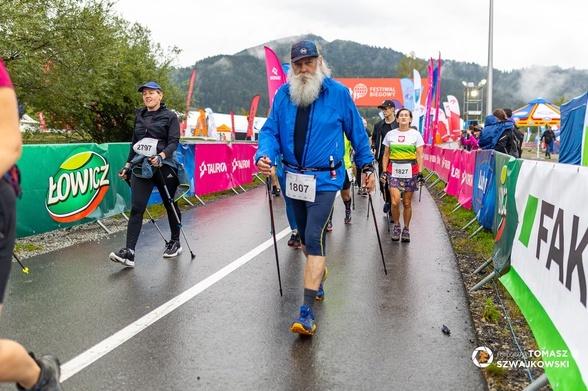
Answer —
347 216
304 325
320 294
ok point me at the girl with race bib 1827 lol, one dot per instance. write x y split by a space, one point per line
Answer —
403 160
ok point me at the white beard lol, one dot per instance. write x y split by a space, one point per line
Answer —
305 88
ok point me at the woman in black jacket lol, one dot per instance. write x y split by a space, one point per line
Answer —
156 135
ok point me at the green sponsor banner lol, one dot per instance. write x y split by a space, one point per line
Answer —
505 216
70 184
559 364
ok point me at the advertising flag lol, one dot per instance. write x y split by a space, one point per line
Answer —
417 112
275 74
455 121
428 104
188 100
251 117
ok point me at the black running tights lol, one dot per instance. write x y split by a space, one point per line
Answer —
141 189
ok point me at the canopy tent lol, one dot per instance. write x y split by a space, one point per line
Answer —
573 148
538 112
223 128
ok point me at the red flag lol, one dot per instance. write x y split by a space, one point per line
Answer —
251 117
275 74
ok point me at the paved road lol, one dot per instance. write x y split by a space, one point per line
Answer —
218 322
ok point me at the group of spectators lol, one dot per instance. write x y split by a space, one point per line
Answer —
501 134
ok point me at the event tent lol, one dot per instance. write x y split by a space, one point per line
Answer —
573 147
538 112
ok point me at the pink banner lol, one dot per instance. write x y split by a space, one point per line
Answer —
427 151
466 188
211 171
452 187
435 158
445 158
242 163
275 74
253 148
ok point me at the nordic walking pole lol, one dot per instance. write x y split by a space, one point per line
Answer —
353 192
376 225
421 180
151 218
25 270
171 202
273 229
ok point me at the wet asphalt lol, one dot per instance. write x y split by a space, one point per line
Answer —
218 322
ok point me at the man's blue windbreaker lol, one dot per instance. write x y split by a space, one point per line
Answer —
332 114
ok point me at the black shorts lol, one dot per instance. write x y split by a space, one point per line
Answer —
7 233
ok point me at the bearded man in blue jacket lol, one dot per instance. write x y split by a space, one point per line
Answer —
310 115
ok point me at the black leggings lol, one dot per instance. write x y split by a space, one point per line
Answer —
141 189
7 233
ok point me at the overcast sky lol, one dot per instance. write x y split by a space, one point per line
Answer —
526 32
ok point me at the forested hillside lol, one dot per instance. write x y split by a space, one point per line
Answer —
228 82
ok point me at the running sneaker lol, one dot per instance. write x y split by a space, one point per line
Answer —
50 372
292 239
361 191
297 242
124 256
320 294
396 232
329 226
347 216
304 325
173 249
405 237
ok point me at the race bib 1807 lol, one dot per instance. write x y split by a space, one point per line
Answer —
300 186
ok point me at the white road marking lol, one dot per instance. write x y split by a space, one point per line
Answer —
91 355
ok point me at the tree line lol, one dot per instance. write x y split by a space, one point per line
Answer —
80 65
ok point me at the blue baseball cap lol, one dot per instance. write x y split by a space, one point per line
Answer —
152 85
303 49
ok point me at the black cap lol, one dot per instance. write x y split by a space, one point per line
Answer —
387 103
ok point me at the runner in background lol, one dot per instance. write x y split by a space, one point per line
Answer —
346 190
403 149
152 161
16 365
381 129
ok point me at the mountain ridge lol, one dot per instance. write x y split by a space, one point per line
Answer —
229 82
